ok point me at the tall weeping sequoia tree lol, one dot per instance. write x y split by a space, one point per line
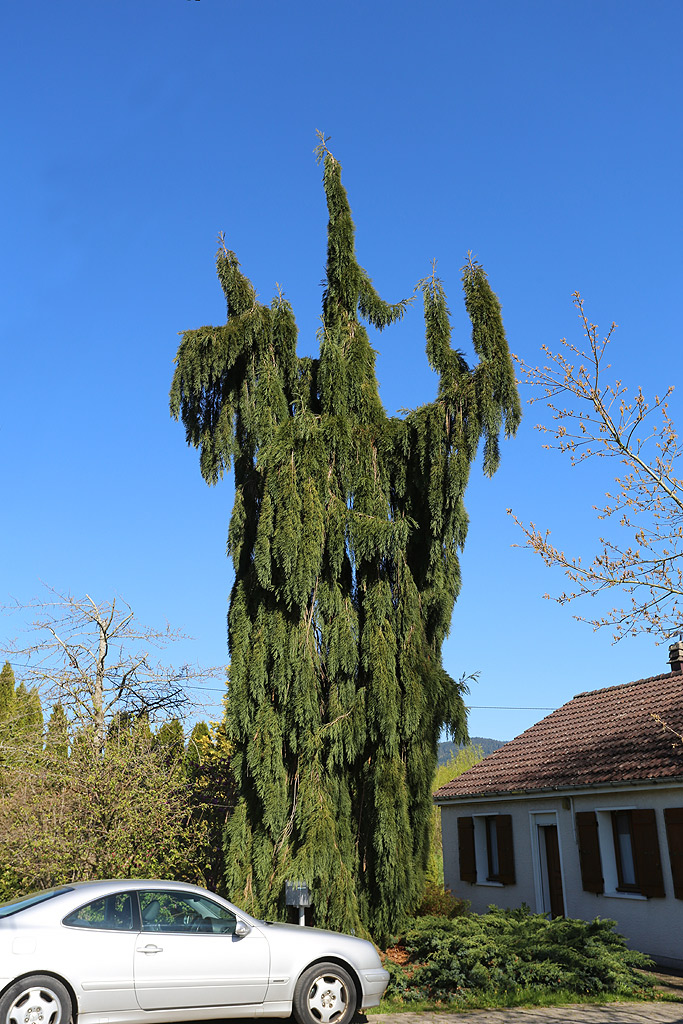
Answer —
344 536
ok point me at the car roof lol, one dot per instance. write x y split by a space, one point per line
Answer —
104 886
76 894
135 883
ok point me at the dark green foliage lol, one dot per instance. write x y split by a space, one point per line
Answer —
120 729
57 735
7 685
399 986
142 733
344 536
7 711
505 950
170 741
27 729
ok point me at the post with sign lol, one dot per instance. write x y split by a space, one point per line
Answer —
297 894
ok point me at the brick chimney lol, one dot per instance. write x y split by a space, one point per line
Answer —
676 656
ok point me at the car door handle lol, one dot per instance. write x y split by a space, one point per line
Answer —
150 949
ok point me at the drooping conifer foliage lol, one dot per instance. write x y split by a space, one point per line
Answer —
344 535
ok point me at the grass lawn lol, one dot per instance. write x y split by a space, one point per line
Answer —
522 997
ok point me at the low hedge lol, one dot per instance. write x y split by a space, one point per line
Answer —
506 950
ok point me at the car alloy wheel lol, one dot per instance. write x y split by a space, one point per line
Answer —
325 994
36 1000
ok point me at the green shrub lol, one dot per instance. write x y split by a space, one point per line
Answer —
506 950
440 902
399 986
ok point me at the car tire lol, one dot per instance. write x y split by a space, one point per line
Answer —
37 999
324 994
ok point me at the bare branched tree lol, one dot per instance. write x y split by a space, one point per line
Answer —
97 661
603 418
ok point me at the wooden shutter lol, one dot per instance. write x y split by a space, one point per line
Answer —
673 817
646 852
468 862
506 853
589 852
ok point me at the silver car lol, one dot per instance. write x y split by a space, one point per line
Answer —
121 952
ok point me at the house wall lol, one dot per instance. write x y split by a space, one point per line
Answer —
652 925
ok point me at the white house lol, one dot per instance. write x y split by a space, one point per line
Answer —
582 815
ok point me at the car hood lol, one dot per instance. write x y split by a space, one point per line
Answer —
327 942
297 929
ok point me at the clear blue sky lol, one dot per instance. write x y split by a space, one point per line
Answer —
544 136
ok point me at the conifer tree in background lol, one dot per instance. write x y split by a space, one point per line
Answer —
7 694
171 741
57 735
7 708
7 685
344 536
28 719
21 721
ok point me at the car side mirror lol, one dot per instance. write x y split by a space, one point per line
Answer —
242 928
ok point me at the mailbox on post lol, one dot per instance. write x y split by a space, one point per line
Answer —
297 894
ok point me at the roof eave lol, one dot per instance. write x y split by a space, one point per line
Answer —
580 789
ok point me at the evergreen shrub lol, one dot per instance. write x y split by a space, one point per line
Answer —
440 902
504 951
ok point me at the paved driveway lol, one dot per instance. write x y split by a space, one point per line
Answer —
613 1013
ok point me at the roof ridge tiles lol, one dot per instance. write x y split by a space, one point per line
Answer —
618 686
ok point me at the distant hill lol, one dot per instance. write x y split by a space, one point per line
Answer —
449 750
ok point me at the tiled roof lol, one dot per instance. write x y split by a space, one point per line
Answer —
601 736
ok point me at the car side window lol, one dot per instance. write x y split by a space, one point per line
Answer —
164 911
114 913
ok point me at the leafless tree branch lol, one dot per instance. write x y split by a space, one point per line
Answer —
94 659
604 420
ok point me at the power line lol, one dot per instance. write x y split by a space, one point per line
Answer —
471 707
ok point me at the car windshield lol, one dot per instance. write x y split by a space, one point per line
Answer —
15 906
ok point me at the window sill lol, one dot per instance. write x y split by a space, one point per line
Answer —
497 885
625 896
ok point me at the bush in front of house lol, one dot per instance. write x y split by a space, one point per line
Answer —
503 952
440 902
